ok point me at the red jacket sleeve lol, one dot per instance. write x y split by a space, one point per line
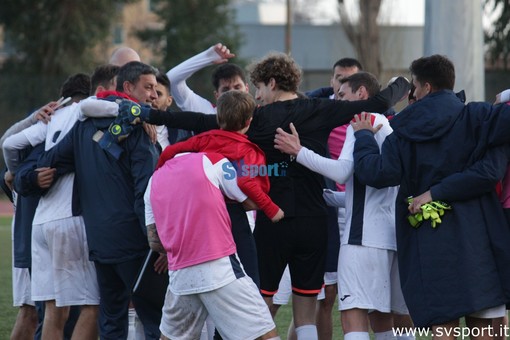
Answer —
253 185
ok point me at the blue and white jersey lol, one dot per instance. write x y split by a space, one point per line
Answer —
370 212
60 201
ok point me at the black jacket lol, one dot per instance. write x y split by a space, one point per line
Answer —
111 191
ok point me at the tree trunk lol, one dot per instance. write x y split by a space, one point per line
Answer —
364 35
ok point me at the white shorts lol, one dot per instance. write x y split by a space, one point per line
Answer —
20 282
330 278
368 279
490 313
251 218
237 310
284 292
21 287
61 270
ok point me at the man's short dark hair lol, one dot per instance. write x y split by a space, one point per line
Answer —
162 79
437 70
76 86
368 80
132 71
348 62
227 71
103 75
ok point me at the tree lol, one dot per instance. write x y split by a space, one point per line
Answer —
51 39
189 27
364 33
497 37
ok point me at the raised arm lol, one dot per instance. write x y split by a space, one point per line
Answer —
184 97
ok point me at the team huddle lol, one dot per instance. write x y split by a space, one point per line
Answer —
122 203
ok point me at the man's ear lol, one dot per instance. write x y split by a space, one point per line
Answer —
428 87
99 88
272 84
127 87
362 92
169 100
216 95
248 122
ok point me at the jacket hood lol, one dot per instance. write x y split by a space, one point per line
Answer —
428 118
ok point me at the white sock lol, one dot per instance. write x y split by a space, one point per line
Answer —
388 335
307 332
139 330
357 336
406 337
131 324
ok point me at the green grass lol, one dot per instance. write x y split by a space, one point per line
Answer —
7 311
284 316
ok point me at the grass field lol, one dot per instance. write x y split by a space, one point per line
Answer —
284 316
8 312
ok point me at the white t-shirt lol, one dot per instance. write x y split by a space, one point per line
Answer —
370 212
57 202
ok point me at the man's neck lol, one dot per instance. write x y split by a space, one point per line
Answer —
281 96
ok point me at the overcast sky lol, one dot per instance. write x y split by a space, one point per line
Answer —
395 12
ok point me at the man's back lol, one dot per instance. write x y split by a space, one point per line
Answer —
299 191
111 191
435 138
185 194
